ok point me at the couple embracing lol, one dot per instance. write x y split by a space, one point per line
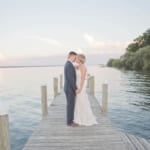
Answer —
79 111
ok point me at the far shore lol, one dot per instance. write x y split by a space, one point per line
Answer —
29 66
100 65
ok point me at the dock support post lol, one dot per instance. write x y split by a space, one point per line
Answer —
44 100
4 132
55 84
61 81
92 85
105 97
88 79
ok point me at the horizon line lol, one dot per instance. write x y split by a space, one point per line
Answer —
26 66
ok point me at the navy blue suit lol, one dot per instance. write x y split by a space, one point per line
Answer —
70 88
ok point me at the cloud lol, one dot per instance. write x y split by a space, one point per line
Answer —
80 51
103 47
93 43
49 41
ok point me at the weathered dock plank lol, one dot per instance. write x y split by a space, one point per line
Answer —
135 143
53 134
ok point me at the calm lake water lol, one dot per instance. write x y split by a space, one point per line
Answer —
129 98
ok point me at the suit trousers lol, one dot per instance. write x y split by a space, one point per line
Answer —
70 106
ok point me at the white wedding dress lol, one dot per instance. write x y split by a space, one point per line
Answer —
83 114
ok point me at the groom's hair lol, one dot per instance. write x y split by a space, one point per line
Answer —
72 53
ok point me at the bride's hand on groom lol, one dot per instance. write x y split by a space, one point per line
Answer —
78 91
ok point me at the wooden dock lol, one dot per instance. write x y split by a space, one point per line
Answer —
53 133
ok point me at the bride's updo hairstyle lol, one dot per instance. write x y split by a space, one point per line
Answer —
82 58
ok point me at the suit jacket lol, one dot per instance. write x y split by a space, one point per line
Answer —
70 78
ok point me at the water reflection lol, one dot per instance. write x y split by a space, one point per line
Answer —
139 83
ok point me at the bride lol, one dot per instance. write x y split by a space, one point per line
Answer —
83 114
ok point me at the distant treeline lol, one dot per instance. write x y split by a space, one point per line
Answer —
137 55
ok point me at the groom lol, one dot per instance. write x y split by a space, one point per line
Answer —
70 87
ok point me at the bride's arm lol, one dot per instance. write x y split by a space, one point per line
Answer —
83 76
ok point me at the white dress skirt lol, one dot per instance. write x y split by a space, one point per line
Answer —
83 114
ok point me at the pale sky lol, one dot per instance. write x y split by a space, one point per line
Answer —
44 30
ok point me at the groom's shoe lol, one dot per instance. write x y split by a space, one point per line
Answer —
74 125
69 125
